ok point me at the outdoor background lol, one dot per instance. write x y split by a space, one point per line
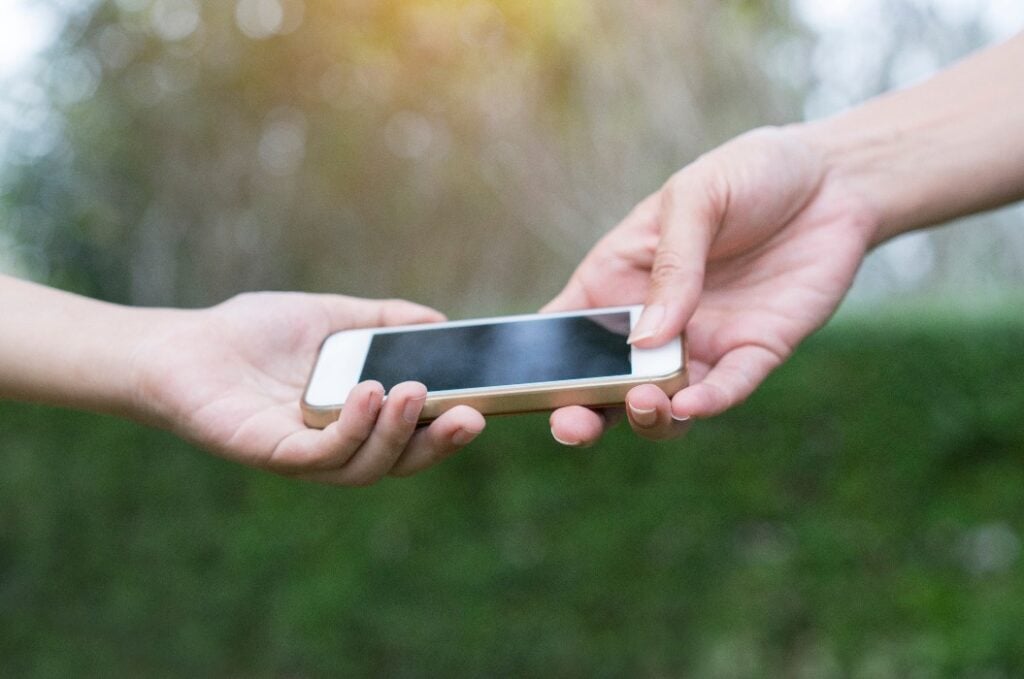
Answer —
860 516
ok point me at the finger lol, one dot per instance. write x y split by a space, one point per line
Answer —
445 435
353 312
577 426
612 416
690 215
574 295
395 426
728 383
650 414
308 449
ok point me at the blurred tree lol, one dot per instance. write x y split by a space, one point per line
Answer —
463 153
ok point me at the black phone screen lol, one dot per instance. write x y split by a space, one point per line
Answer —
498 354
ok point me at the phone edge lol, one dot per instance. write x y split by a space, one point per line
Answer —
525 399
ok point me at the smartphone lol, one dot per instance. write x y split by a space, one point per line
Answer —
511 364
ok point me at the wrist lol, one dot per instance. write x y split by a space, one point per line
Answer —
942 149
860 160
104 360
153 347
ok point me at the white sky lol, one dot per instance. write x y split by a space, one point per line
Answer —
1000 18
25 28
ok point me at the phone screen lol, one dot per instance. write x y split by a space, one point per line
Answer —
499 354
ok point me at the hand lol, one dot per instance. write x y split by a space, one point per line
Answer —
750 249
230 378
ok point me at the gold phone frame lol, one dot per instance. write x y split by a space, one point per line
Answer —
600 392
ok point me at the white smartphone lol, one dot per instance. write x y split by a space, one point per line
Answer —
509 364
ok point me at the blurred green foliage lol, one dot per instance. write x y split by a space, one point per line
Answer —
860 516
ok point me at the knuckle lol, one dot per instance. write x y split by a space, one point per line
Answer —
282 460
338 454
681 186
244 299
721 398
675 184
348 443
394 440
671 193
669 269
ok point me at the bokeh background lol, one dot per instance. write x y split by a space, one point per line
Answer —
860 516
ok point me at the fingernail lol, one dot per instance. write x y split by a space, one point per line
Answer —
680 418
374 403
411 413
464 436
564 443
645 417
649 323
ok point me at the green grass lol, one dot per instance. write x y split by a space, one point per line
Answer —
860 516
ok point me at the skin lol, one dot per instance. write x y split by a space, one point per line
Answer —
228 378
752 247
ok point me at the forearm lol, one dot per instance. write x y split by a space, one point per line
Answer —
62 349
951 146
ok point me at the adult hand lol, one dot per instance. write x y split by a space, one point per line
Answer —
749 249
230 378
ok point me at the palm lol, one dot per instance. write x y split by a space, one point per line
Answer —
236 388
786 289
231 379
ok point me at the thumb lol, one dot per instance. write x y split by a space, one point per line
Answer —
690 217
573 296
605 258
